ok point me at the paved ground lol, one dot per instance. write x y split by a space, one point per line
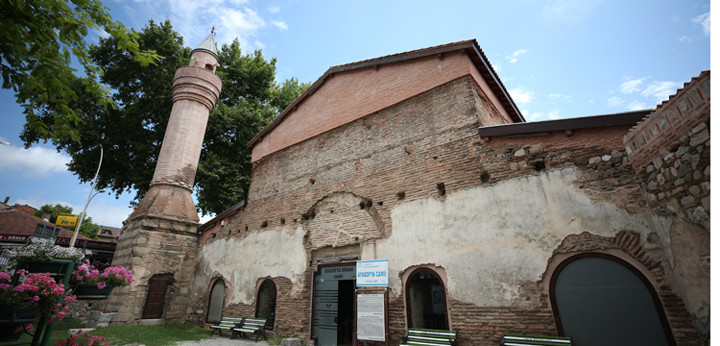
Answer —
222 341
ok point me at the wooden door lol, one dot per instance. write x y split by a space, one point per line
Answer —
155 299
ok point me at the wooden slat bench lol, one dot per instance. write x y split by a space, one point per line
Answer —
251 326
226 323
537 340
416 336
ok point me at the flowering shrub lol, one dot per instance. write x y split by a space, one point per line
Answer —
44 249
38 291
81 338
87 273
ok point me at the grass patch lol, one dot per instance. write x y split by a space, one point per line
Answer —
166 334
160 335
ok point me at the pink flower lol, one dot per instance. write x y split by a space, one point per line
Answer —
100 285
36 298
61 314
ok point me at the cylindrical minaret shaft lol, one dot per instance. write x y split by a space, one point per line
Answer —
196 89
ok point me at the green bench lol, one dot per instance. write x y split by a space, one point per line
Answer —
432 337
537 340
250 327
226 323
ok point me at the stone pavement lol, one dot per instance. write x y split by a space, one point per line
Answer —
222 341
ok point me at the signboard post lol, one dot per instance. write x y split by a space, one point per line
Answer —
371 302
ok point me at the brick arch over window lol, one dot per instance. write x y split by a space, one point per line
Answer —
627 247
341 219
216 300
425 299
599 299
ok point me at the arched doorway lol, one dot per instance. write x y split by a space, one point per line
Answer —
266 298
425 300
217 300
601 300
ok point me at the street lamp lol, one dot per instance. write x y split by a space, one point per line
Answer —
90 197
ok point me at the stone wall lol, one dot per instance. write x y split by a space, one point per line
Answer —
151 247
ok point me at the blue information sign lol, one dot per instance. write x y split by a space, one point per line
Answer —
372 273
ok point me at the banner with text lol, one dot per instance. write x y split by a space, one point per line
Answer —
372 273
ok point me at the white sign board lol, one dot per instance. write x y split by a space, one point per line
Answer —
372 273
371 316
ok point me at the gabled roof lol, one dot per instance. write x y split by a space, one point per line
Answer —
470 47
18 223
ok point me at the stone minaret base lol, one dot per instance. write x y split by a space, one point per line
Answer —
157 248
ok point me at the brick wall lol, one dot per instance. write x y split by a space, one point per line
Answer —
351 95
425 147
661 131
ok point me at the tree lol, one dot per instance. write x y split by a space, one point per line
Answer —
132 133
88 228
40 41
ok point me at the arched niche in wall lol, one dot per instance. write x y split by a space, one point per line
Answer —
216 302
266 301
425 300
599 299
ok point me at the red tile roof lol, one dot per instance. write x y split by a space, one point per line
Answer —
13 221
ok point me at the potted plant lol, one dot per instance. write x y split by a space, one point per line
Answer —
25 297
42 256
89 282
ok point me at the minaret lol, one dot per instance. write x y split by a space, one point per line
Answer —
196 89
159 241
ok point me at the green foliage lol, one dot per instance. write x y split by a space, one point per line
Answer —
40 39
132 133
53 211
88 228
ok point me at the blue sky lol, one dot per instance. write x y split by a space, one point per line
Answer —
557 58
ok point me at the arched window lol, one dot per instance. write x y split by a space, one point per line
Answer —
601 300
425 300
217 299
265 308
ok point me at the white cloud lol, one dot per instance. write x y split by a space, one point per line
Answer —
568 11
704 20
514 56
280 24
615 101
637 105
556 97
521 95
554 114
632 85
660 91
194 19
274 9
684 39
540 116
34 163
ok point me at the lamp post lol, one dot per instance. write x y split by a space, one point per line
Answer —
90 197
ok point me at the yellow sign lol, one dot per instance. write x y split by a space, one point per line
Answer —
67 220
